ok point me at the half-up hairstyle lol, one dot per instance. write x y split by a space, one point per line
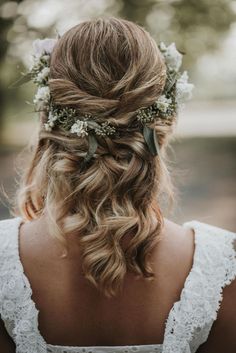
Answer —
108 67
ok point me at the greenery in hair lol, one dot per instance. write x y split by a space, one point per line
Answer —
176 91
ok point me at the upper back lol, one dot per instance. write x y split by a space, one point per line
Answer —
72 312
77 298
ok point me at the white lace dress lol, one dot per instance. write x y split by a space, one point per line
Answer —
189 321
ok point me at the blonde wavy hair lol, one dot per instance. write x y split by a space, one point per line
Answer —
110 67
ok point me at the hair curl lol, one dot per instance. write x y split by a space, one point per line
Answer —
110 67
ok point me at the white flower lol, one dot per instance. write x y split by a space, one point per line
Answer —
183 89
43 93
43 46
80 128
163 103
162 46
46 58
51 119
43 75
42 97
38 61
47 127
173 58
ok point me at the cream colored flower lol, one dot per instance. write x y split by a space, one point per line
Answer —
79 128
42 97
183 89
163 103
173 57
43 75
42 46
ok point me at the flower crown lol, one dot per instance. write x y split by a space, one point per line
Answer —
176 91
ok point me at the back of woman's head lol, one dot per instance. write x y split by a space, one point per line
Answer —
109 68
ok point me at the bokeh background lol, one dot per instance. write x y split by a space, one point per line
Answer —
204 149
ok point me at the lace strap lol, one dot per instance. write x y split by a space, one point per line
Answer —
214 266
17 308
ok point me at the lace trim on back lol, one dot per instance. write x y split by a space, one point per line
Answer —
19 311
16 306
214 267
146 348
189 320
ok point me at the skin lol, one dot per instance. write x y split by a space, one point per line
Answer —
73 313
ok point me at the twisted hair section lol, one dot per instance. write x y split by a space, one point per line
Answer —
106 66
111 207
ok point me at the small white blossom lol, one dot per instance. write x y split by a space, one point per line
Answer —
46 58
163 103
43 75
47 127
162 46
173 58
43 46
79 128
42 95
51 119
183 89
36 62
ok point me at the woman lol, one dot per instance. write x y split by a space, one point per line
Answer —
89 263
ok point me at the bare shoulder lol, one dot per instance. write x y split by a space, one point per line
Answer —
175 251
36 243
6 343
179 240
177 231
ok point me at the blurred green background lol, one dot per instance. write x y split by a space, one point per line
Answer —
203 154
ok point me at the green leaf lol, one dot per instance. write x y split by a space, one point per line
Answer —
150 137
23 79
93 124
92 147
171 79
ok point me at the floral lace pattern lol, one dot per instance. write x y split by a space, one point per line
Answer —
17 309
189 321
149 348
214 267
